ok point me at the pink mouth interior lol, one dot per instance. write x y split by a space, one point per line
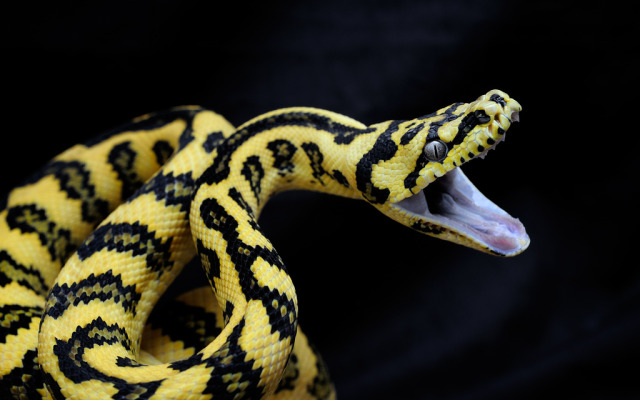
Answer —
453 201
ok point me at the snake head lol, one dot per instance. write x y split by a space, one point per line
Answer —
421 185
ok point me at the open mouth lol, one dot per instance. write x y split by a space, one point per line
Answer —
453 202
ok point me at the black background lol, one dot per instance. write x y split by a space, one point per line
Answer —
395 314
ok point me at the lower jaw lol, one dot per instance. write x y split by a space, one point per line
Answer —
455 204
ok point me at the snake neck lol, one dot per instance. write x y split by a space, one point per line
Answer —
295 148
282 150
287 149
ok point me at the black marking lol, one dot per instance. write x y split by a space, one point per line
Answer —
283 152
219 170
448 116
122 159
150 122
173 190
383 149
281 310
482 116
426 227
467 124
237 197
216 217
315 160
24 381
52 386
348 136
31 219
101 287
410 134
480 148
411 180
29 277
430 115
127 362
75 181
163 150
228 360
340 178
71 361
232 372
210 261
194 326
212 141
14 317
242 257
227 312
498 99
490 142
253 172
134 238
183 365
186 136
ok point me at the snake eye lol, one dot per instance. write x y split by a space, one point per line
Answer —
435 150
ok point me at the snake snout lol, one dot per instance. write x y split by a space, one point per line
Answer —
515 116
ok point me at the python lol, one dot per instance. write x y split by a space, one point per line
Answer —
124 213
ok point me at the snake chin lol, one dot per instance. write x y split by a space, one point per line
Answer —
453 202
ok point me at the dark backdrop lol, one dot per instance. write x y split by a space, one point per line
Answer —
396 314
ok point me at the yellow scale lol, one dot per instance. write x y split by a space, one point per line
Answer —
92 342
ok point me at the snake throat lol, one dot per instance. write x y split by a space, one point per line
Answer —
452 201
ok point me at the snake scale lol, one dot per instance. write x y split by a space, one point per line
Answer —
124 213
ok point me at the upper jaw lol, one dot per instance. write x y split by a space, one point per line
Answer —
452 207
442 201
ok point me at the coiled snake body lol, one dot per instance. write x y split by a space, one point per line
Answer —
125 213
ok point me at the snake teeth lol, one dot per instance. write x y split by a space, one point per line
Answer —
504 123
488 149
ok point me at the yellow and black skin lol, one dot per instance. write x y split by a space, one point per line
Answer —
126 212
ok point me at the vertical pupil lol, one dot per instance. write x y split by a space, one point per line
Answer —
436 150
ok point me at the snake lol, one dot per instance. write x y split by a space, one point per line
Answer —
91 241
